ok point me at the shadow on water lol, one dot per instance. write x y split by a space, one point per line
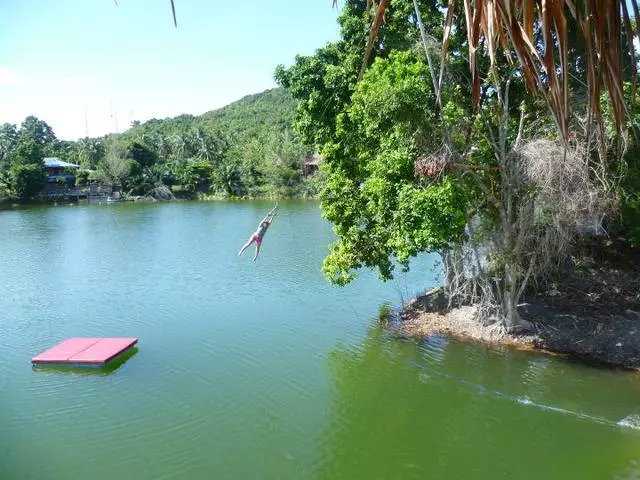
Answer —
107 369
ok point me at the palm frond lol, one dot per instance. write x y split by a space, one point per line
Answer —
173 10
373 32
510 25
445 46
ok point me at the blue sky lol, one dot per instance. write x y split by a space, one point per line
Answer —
61 58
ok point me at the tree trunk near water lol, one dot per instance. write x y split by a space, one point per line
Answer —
453 262
449 273
509 298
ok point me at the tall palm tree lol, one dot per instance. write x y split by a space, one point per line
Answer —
177 147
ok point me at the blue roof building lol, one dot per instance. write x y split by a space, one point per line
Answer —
55 162
55 170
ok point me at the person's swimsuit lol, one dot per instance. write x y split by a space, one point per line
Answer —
260 233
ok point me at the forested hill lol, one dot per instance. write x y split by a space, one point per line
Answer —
260 114
271 109
247 148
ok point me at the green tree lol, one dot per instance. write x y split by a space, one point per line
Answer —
195 176
8 140
379 211
209 146
370 133
82 177
116 168
324 82
87 152
142 154
38 131
226 178
177 147
26 175
26 180
21 157
411 168
28 152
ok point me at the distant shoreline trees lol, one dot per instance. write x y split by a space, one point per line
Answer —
247 149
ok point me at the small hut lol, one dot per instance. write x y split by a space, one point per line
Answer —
311 164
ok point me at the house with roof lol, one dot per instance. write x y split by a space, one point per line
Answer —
59 171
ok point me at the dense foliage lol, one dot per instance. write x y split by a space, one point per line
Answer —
369 134
426 159
247 148
22 151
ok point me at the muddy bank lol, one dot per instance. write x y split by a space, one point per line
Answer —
591 312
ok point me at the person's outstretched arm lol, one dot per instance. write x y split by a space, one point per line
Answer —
270 214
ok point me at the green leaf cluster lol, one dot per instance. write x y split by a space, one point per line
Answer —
380 213
22 151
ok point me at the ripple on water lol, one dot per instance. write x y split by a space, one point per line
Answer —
631 472
433 348
532 377
630 421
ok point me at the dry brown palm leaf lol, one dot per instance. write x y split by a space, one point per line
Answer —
602 26
445 46
373 32
432 166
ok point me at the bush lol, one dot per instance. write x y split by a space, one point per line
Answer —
82 177
27 180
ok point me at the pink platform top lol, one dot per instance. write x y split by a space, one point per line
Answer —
85 351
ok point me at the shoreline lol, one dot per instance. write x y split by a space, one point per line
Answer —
462 324
9 204
590 314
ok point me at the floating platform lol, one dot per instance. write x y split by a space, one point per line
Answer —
85 352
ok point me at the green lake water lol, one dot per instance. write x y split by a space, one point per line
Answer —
264 371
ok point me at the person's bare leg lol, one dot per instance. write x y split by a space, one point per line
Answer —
257 251
246 245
